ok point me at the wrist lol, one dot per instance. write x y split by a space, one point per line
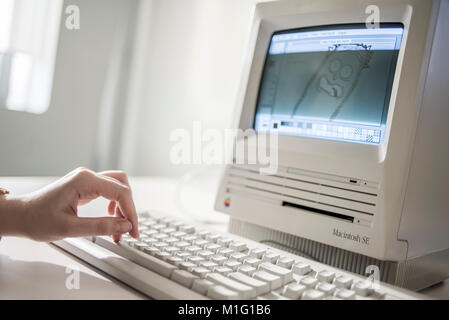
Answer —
13 220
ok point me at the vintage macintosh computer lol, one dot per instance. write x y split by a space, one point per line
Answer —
361 115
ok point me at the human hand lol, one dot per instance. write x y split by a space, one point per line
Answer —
50 214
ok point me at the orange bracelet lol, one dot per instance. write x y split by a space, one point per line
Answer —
3 192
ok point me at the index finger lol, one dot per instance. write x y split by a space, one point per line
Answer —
120 176
90 184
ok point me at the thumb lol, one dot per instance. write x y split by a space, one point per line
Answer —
83 227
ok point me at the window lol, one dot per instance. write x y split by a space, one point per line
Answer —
29 32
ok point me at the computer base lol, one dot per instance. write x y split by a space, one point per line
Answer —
414 274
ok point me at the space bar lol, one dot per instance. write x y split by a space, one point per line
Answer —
145 260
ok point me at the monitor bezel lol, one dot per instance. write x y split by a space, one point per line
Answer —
356 159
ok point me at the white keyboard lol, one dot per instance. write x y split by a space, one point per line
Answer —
177 260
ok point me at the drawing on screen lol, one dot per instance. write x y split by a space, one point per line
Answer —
336 78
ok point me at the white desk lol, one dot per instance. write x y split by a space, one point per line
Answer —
31 270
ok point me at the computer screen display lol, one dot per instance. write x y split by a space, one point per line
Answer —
329 82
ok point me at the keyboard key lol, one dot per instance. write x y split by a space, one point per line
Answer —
193 249
187 266
168 230
325 276
285 262
343 282
162 255
183 255
326 287
238 246
225 252
248 270
183 278
200 272
203 233
253 262
301 268
201 286
219 259
176 224
171 250
345 294
260 286
270 257
178 234
363 288
245 292
238 256
293 290
195 259
225 242
309 282
150 232
182 244
206 254
150 241
167 220
159 227
274 281
285 274
232 264
312 295
222 270
189 238
151 250
175 260
208 264
212 247
213 237
149 223
140 245
171 241
187 229
201 243
160 245
129 241
160 236
257 253
222 293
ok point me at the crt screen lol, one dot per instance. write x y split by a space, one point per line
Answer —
330 83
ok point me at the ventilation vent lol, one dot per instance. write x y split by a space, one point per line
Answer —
349 199
320 252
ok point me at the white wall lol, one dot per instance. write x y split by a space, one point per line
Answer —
191 71
65 136
185 65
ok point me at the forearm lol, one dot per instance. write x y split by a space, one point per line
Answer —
12 216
